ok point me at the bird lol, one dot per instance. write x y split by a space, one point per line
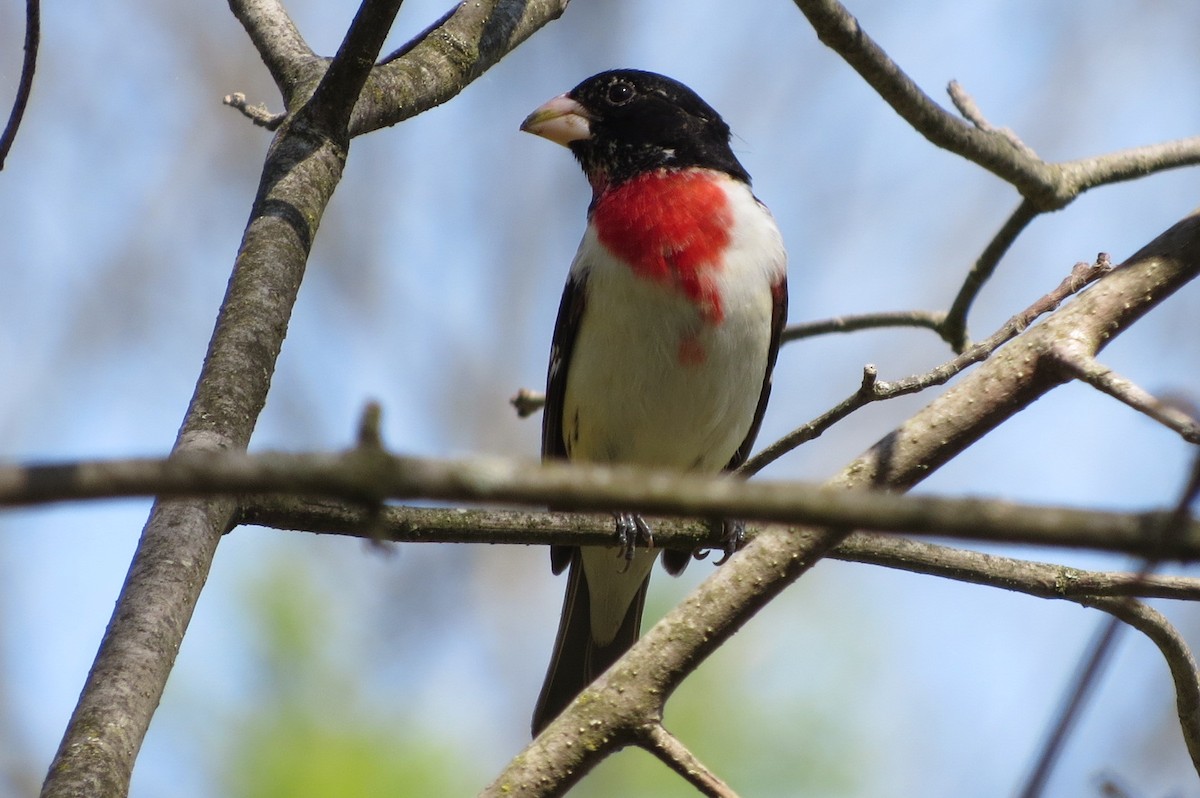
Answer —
665 339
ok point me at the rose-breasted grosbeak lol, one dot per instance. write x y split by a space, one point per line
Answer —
666 335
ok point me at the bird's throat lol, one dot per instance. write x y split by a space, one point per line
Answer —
671 227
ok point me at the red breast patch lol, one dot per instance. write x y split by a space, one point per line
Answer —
671 227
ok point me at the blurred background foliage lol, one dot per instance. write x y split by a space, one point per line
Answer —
330 667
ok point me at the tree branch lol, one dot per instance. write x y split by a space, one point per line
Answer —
1084 367
1048 186
675 755
1088 674
839 30
1130 164
872 390
955 328
368 475
447 57
425 525
258 114
33 25
283 50
336 95
1044 580
1179 660
928 319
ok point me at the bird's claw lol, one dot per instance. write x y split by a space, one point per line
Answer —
733 537
631 529
730 535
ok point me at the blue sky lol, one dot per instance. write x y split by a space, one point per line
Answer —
433 286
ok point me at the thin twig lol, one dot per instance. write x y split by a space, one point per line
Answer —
258 114
874 390
928 319
955 328
1086 677
33 26
675 755
1084 367
813 429
971 111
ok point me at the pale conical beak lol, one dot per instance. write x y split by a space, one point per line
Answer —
561 120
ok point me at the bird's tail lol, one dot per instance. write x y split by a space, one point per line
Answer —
577 659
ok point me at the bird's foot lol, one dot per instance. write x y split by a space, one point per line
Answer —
731 536
631 529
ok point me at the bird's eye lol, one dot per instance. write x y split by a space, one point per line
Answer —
620 93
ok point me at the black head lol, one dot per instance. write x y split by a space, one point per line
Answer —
625 122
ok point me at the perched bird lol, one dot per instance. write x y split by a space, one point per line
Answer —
666 335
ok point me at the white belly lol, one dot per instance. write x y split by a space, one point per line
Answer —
652 380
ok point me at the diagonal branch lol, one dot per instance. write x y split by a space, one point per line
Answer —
1088 673
1084 367
671 751
283 50
447 57
335 96
1098 653
839 30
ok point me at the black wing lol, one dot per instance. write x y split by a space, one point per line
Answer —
554 445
